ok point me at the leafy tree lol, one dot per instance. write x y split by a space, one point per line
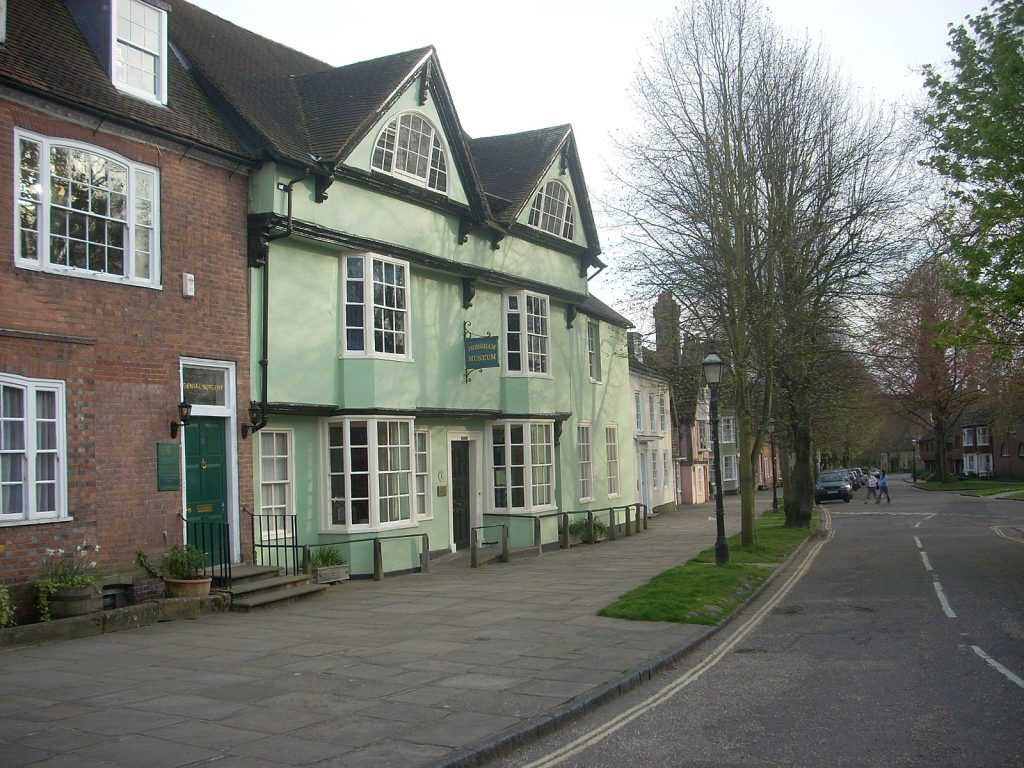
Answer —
974 120
931 377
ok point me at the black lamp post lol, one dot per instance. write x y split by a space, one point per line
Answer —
771 442
713 367
913 459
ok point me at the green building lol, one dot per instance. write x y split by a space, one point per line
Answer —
426 357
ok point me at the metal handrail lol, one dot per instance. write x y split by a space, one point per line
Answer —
534 519
474 559
631 525
378 551
212 538
280 555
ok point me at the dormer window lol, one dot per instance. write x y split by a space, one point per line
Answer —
552 210
409 148
140 50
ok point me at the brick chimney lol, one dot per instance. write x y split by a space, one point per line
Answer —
666 329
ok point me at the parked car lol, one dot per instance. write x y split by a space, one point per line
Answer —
854 476
833 484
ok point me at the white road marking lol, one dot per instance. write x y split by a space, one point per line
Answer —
942 598
670 690
999 532
918 523
999 667
946 608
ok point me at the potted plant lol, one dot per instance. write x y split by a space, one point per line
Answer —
578 532
67 586
327 565
183 571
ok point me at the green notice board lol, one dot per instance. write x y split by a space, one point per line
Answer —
168 466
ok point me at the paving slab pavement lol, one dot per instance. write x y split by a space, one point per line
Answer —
418 670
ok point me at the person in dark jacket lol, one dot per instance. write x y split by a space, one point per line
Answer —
883 487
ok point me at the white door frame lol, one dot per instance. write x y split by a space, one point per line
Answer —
228 413
644 477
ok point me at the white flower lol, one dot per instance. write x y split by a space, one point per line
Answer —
50 552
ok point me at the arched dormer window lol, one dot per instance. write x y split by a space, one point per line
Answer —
552 210
410 149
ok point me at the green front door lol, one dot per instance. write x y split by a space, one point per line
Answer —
206 488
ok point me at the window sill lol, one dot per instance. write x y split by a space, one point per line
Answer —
37 521
84 274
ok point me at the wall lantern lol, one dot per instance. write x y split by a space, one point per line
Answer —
184 414
256 420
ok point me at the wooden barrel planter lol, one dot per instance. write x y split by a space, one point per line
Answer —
66 602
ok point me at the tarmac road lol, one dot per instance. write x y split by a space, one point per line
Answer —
900 644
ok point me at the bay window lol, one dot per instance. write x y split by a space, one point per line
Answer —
526 334
369 473
375 299
522 465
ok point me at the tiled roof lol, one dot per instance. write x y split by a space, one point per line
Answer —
594 306
236 91
340 103
46 54
255 76
511 166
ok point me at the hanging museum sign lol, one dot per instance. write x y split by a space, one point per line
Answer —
481 352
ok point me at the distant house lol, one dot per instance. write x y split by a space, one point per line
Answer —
978 445
656 469
123 292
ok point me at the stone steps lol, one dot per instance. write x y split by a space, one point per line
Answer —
255 588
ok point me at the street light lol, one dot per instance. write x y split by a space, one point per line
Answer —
913 458
771 442
713 367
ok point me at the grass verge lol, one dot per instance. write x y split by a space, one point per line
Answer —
977 487
700 592
1015 496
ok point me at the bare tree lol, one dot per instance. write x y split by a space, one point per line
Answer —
758 195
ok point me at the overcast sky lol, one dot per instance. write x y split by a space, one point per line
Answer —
539 63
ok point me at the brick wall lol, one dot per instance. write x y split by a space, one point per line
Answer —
117 348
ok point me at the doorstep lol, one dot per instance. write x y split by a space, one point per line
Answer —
130 617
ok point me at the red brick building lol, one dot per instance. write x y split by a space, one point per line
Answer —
123 287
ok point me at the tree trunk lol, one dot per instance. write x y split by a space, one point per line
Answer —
745 441
800 495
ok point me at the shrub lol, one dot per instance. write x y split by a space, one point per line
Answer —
324 557
188 562
6 608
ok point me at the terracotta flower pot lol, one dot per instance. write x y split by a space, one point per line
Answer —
187 587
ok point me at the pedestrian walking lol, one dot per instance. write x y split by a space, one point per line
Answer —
883 487
872 488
